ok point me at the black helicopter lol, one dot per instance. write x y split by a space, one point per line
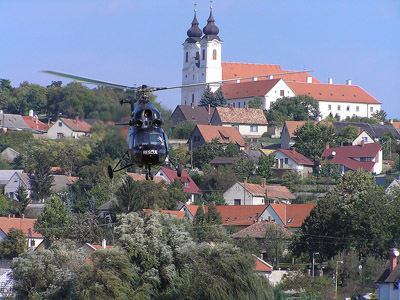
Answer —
147 141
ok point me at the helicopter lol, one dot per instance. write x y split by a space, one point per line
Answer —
147 142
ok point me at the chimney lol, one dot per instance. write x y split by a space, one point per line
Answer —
231 105
348 82
362 143
104 244
209 109
255 78
23 217
330 80
394 253
327 146
9 216
192 104
76 119
245 180
263 183
309 79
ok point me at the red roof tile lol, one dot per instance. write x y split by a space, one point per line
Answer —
248 89
333 92
77 124
300 159
262 266
142 177
258 230
179 214
35 123
238 70
23 224
396 125
293 215
241 115
191 187
224 134
273 191
345 155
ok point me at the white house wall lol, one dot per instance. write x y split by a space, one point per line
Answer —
237 192
270 213
245 129
378 163
347 109
275 93
363 136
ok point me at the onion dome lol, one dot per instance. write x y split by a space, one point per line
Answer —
211 30
194 33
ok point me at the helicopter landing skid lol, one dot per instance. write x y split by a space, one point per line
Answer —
111 170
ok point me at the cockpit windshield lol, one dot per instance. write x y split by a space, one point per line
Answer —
148 138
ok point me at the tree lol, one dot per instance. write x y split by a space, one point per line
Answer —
184 129
84 228
42 179
298 108
213 197
389 143
23 199
264 166
347 135
54 221
244 168
205 153
216 180
127 197
291 180
379 115
256 102
212 99
275 242
14 244
311 139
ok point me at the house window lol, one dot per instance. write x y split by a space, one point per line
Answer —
357 108
236 202
187 57
286 161
233 104
11 195
60 124
365 139
238 104
186 184
329 107
338 107
348 108
33 243
282 93
203 55
214 54
371 109
253 128
363 159
281 162
60 135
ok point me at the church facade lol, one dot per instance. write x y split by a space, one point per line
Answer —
202 63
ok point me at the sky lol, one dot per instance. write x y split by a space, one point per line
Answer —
140 42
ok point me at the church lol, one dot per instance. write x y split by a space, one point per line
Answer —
241 82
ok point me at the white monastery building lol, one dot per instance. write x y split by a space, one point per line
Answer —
202 62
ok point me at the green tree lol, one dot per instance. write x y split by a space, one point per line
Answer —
54 221
215 180
213 99
311 139
347 135
42 179
291 180
84 228
244 168
264 166
379 115
213 197
207 152
14 244
297 108
23 199
184 129
389 143
256 102
127 196
275 242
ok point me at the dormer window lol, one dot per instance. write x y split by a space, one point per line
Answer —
60 124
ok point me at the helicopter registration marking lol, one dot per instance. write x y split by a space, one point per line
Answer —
153 151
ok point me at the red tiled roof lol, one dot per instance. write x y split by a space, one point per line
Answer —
396 125
249 89
255 189
191 187
35 123
262 266
23 224
241 115
273 191
179 214
346 155
300 159
293 215
97 247
238 70
333 92
142 177
77 125
224 134
258 230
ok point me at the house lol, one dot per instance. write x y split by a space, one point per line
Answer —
34 239
367 157
105 210
12 122
16 180
395 125
363 137
62 182
395 184
142 177
290 160
344 100
250 122
189 186
33 123
5 176
243 193
206 134
223 161
288 136
375 131
291 216
68 128
388 282
178 214
199 115
232 215
262 267
9 155
89 248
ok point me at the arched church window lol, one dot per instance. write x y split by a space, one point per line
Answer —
187 56
214 54
203 55
197 56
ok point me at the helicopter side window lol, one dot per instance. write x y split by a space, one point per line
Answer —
141 139
156 139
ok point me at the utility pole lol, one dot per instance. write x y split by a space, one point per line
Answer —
336 276
313 264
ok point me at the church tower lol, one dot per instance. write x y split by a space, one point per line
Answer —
201 60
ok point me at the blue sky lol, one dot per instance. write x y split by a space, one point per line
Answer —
140 42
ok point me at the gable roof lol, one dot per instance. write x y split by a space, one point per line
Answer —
231 70
24 224
61 182
76 124
258 230
292 215
224 134
34 123
5 175
396 125
272 191
142 177
297 157
248 89
172 175
197 114
333 92
376 131
178 214
346 155
388 276
261 265
13 121
241 115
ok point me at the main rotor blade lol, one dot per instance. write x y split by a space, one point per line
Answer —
226 80
89 80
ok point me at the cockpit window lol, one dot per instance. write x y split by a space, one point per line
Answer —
156 139
147 138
